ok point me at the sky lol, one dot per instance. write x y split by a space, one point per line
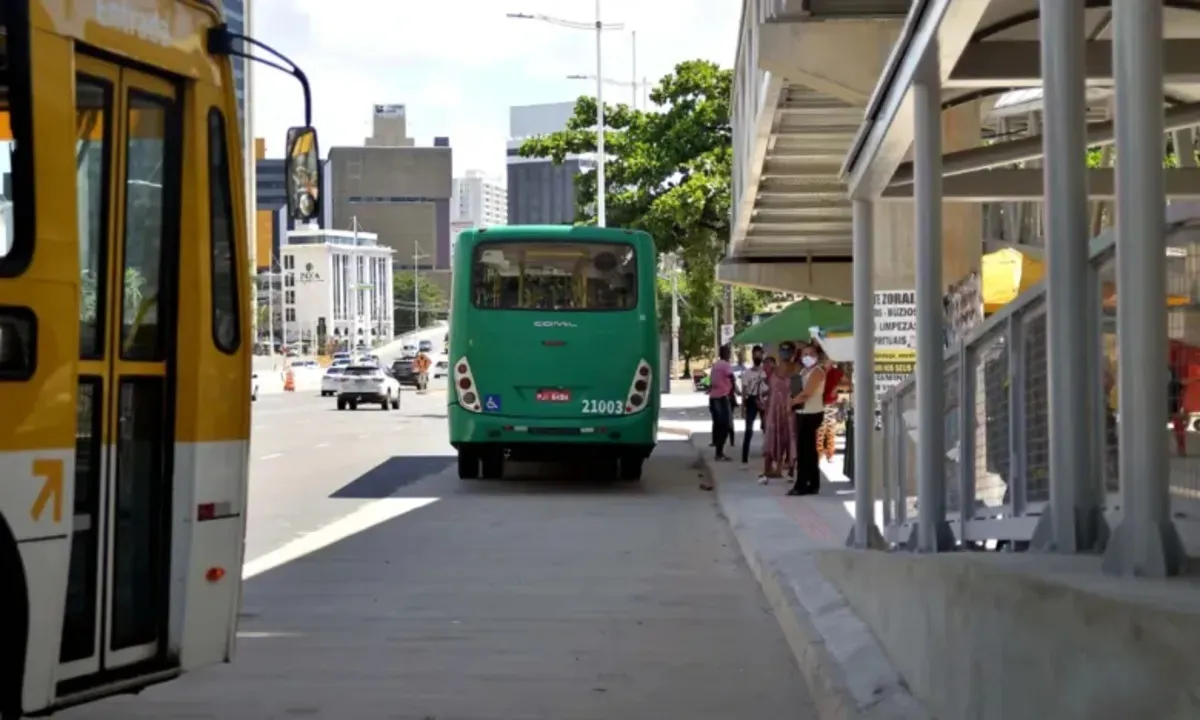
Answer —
459 66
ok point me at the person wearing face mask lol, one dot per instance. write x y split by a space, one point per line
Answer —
808 404
753 380
779 438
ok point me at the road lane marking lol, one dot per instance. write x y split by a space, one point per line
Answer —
272 456
364 518
322 445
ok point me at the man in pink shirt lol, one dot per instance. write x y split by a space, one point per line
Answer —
720 400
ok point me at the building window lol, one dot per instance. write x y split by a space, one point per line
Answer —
224 253
289 262
289 280
289 314
289 297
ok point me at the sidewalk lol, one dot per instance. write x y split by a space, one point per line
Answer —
847 670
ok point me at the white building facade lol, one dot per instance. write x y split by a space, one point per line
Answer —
478 200
337 289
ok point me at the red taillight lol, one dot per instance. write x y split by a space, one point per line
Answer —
214 574
636 399
464 382
206 511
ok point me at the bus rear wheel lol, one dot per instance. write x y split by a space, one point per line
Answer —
468 464
631 467
493 465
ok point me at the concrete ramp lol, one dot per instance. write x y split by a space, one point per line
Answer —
1018 636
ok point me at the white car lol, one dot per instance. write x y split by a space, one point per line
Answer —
331 380
441 368
368 384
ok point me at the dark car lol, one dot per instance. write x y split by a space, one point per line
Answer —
403 370
425 346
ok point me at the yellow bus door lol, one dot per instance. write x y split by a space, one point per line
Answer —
128 159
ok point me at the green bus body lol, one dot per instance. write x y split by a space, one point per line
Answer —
554 348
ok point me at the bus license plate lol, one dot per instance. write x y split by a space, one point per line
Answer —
553 396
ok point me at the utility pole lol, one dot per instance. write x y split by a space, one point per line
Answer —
633 75
417 257
674 316
270 308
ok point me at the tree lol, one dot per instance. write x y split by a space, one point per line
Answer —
429 305
668 171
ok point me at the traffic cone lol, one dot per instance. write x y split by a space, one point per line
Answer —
289 381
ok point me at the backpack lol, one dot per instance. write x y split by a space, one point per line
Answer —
833 378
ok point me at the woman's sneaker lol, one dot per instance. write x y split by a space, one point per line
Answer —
763 480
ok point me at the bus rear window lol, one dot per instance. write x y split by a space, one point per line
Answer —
554 276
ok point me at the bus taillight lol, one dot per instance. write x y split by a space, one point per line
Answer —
464 385
639 388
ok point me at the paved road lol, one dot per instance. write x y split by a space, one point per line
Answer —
540 596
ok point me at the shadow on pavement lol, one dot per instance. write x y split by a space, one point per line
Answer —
393 474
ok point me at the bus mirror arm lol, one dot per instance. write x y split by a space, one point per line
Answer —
220 42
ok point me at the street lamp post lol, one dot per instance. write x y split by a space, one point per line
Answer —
599 27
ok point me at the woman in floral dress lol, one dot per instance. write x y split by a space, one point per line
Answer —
779 439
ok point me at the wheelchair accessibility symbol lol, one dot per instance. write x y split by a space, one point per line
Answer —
491 403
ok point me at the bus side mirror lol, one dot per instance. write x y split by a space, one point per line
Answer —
303 173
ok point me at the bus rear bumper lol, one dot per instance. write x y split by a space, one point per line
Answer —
516 433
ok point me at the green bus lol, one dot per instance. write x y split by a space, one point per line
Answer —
554 349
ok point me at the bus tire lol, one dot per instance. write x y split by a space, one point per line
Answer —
631 467
493 465
14 608
468 464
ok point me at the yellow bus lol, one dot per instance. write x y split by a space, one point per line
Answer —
124 344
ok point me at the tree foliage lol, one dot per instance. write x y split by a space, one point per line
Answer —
668 172
429 304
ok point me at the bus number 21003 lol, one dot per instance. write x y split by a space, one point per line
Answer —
603 407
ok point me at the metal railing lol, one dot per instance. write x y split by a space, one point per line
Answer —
996 411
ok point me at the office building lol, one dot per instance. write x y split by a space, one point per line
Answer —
396 190
337 287
235 17
389 127
478 200
540 192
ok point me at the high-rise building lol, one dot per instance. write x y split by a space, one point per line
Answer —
396 190
478 200
540 192
389 127
235 16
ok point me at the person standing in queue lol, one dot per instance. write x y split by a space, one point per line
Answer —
754 380
720 397
808 404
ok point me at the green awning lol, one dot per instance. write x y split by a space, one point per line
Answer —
794 321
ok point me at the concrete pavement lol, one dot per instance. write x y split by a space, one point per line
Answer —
381 586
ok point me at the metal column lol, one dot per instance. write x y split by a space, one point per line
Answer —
1075 520
1146 542
865 534
932 532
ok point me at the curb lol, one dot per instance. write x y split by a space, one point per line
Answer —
827 638
679 431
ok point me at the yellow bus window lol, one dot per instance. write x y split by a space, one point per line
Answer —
148 159
92 102
14 170
224 252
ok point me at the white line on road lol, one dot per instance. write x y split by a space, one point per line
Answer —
322 444
364 518
272 456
